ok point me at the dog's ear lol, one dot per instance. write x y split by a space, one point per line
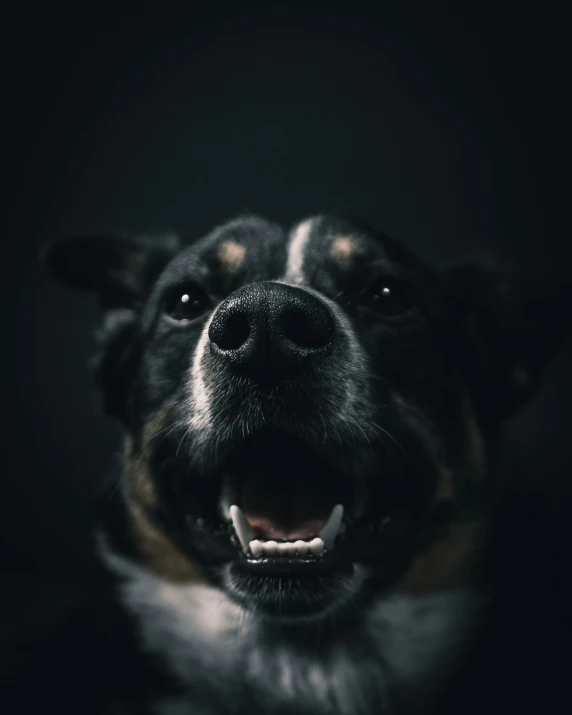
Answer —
508 327
121 272
119 269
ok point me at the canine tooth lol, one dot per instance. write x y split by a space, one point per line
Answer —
316 546
270 548
241 526
301 547
330 530
256 547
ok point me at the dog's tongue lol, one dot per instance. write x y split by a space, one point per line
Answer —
287 509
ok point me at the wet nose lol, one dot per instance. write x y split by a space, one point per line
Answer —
271 332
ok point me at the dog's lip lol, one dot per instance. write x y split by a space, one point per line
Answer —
327 561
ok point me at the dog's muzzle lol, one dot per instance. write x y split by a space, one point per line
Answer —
269 332
290 482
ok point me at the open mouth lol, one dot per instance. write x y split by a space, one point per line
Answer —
304 545
285 503
277 504
282 516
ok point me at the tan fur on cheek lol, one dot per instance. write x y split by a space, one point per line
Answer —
159 553
231 256
138 483
343 250
446 564
449 562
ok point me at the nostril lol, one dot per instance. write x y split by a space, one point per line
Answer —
234 333
307 329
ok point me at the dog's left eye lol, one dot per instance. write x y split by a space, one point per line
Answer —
388 296
187 304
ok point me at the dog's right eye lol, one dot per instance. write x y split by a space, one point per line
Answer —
186 304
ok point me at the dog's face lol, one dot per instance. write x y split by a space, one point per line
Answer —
300 405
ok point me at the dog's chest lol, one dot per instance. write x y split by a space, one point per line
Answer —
228 662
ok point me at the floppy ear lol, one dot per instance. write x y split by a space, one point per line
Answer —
121 272
510 327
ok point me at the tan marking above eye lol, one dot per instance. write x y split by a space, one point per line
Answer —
343 250
231 255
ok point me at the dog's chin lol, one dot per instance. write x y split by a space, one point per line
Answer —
295 596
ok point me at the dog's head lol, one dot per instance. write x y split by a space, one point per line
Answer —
308 413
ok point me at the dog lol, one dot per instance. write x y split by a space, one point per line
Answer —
312 419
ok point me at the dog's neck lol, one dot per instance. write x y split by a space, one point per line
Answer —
398 650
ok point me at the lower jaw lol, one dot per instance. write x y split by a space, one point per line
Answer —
305 566
303 593
287 589
309 587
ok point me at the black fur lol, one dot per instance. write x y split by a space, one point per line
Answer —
388 402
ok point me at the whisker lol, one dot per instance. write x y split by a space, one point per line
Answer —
183 438
391 437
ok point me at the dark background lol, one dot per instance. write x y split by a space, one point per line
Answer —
443 127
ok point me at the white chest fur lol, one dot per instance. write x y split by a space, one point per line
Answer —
400 652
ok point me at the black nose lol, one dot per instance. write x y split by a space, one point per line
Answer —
270 331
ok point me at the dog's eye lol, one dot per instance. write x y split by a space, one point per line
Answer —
388 296
187 304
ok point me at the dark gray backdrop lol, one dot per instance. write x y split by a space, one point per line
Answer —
442 127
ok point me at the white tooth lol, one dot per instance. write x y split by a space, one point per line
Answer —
256 548
241 526
301 547
282 548
316 546
270 548
330 530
